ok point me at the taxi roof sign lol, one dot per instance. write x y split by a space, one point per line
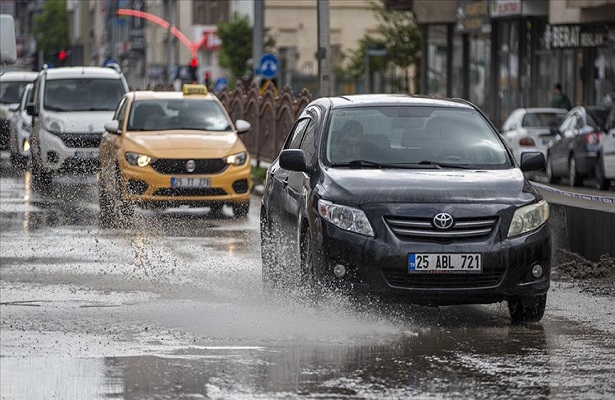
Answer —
194 89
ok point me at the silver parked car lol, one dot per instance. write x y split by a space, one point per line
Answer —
20 126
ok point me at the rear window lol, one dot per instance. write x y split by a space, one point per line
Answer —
413 135
83 94
167 114
542 119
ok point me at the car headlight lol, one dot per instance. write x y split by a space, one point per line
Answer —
53 125
344 217
529 218
138 159
237 159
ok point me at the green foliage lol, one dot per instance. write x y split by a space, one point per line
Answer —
258 175
50 27
356 58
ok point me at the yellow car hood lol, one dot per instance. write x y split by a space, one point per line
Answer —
185 144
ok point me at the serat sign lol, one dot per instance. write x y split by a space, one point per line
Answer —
575 36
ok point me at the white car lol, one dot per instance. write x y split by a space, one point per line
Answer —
605 170
69 109
531 129
12 85
20 127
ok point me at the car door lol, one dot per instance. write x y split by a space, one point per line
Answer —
608 146
277 198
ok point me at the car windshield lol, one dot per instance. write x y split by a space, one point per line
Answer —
83 94
11 91
173 114
542 119
413 137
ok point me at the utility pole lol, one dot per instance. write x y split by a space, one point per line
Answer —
325 75
170 57
257 37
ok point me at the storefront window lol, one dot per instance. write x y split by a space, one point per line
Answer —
480 51
457 72
436 70
509 67
605 79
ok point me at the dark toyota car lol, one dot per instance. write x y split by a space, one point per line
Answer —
406 196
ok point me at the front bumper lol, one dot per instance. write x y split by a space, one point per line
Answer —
146 187
58 158
380 265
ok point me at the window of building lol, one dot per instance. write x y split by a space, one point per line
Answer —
480 64
436 70
210 12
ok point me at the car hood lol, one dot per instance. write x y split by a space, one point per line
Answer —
368 186
81 121
185 144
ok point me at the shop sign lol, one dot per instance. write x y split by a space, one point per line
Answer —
505 8
473 16
575 36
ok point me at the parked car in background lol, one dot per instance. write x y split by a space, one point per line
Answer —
605 172
531 129
171 149
575 150
409 197
69 108
20 127
12 85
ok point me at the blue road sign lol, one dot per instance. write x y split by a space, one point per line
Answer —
220 84
268 66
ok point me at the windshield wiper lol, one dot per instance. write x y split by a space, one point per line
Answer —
443 165
357 164
98 109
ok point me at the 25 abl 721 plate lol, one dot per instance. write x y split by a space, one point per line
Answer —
445 263
199 183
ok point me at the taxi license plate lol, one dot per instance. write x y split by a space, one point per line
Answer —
445 263
86 154
190 183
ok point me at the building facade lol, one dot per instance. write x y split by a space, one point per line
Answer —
504 54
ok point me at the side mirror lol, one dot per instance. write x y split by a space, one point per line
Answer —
31 110
14 108
113 126
293 160
532 161
242 126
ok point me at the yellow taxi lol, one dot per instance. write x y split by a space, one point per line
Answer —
168 149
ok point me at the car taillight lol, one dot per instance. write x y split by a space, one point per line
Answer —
592 138
527 141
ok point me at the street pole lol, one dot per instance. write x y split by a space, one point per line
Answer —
170 58
325 76
257 37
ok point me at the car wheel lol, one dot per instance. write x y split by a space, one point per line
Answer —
551 178
41 180
106 217
215 210
573 176
527 309
114 211
602 183
269 256
240 210
18 161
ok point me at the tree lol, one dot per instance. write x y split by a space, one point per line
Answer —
50 27
236 48
356 64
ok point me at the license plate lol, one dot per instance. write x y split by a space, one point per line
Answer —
86 154
444 263
190 183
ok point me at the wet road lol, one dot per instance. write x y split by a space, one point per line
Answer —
172 308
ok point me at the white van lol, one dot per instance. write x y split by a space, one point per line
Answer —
69 109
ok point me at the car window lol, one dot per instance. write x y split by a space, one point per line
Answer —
120 113
411 135
11 91
67 95
177 114
597 118
294 139
541 119
308 144
610 124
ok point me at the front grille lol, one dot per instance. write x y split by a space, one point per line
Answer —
422 228
401 278
174 166
196 192
80 140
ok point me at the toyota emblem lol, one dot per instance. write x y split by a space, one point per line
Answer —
190 165
443 221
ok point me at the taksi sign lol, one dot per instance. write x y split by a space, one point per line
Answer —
575 36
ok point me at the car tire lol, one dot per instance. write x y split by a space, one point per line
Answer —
551 178
573 176
41 180
241 210
527 309
269 256
602 183
106 215
114 211
18 161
